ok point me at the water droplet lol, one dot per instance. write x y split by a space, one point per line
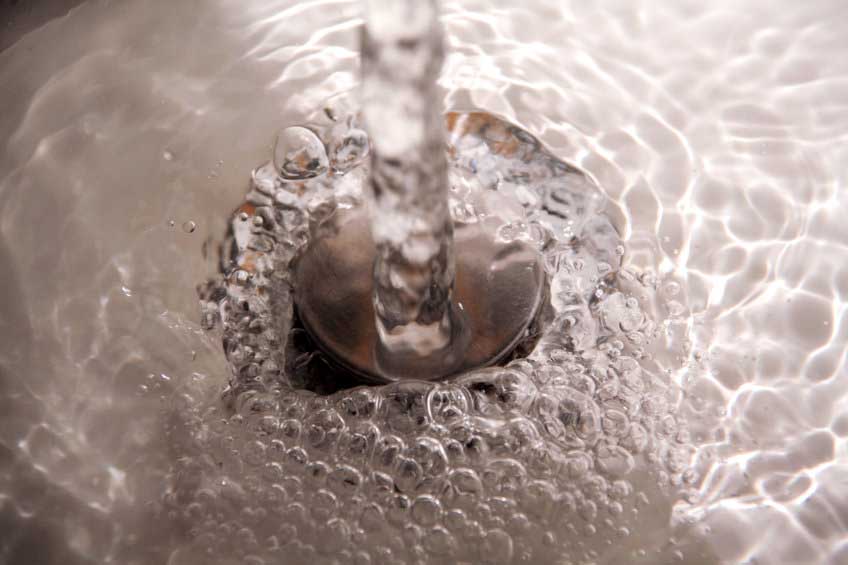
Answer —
189 226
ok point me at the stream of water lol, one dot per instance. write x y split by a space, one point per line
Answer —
402 55
694 410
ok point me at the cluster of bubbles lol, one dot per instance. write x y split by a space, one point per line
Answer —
530 462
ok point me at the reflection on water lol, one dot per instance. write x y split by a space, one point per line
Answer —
717 130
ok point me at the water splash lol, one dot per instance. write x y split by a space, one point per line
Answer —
507 464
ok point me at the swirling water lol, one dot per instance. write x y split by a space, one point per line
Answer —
716 130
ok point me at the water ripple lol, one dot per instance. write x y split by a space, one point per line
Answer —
718 129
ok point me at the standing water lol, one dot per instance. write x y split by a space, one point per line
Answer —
680 397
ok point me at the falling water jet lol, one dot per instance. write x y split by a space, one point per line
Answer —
412 295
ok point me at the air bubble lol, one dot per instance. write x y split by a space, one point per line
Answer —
349 150
398 509
465 481
345 480
674 308
497 547
426 510
372 518
299 154
324 505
